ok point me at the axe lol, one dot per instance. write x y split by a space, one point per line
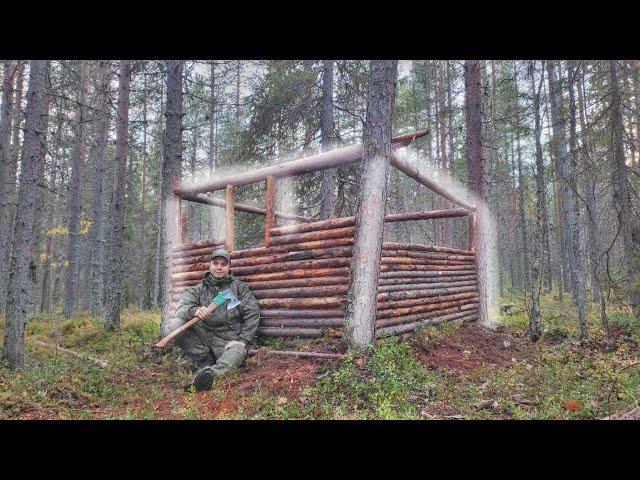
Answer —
218 300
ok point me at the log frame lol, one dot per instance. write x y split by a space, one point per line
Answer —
270 201
241 207
314 163
419 272
230 218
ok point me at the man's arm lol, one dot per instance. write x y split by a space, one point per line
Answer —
249 313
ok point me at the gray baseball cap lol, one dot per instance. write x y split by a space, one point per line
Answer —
221 252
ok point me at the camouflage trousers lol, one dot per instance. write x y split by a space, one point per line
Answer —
206 350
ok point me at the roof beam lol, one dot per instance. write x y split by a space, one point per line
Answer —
314 163
411 171
207 200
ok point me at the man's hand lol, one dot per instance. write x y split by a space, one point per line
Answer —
202 313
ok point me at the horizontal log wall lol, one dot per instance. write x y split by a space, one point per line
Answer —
301 280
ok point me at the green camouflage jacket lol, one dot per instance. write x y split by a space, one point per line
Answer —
239 323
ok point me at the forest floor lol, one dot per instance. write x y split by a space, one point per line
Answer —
440 372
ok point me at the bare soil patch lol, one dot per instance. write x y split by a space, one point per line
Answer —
470 347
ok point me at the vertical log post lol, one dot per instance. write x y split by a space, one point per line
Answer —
230 219
472 230
184 229
178 208
269 219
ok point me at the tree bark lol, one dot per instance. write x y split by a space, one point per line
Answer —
36 235
144 293
96 239
20 284
621 195
361 298
116 251
213 144
475 168
45 301
577 276
74 205
328 185
5 175
523 221
171 174
538 241
565 173
9 215
589 187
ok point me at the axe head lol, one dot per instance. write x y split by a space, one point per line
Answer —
233 301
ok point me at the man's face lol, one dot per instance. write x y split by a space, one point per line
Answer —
219 267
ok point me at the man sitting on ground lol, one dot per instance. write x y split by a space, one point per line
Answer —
217 344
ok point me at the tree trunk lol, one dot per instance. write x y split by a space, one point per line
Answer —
20 284
567 189
444 158
523 221
621 195
213 145
11 179
45 301
475 168
328 185
5 175
144 293
115 259
96 238
538 240
237 111
365 265
158 273
74 203
589 186
36 235
171 171
576 257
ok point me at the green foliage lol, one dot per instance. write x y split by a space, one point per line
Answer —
554 379
378 388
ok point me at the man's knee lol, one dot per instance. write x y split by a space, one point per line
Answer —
194 349
234 355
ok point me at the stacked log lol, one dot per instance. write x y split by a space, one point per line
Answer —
424 284
301 280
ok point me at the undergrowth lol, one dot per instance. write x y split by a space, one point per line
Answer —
556 378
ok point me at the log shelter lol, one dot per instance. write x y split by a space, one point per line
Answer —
300 276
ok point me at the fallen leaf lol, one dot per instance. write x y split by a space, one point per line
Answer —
573 406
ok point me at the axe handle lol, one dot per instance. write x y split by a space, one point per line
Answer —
165 341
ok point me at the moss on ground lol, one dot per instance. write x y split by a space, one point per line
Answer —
557 378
